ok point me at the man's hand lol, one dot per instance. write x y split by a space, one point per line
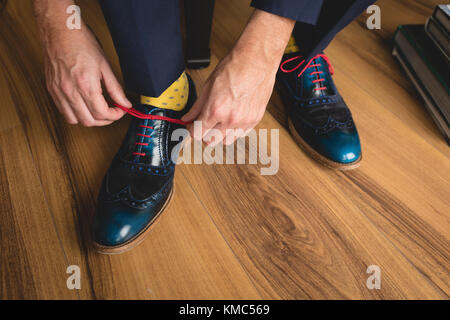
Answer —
236 94
75 67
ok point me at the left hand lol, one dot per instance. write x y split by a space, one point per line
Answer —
236 94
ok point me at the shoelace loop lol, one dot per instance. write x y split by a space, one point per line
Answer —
307 66
140 115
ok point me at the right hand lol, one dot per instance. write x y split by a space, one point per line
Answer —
75 67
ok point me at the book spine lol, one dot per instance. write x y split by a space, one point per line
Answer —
442 17
432 109
439 36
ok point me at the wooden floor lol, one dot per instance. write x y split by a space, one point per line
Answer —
305 233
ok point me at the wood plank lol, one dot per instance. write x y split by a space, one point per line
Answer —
196 263
307 232
27 231
425 214
183 257
298 235
412 208
26 99
383 86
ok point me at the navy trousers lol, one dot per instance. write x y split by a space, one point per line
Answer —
147 35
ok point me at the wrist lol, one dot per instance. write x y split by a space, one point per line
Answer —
265 38
51 17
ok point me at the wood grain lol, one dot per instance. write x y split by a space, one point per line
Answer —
187 258
305 233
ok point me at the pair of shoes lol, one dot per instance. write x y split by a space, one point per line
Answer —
139 182
319 119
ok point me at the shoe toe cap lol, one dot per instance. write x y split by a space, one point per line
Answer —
341 147
116 224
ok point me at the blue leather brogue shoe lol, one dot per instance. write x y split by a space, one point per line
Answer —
319 120
139 183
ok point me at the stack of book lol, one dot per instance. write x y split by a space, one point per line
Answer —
423 52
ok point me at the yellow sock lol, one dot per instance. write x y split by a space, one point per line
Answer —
174 97
291 46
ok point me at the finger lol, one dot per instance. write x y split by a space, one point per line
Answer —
98 106
207 124
194 112
212 138
63 106
232 135
247 131
114 88
83 114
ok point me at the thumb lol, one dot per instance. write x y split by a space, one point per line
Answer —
193 113
114 88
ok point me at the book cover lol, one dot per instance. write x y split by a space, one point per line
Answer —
430 69
432 109
442 15
438 34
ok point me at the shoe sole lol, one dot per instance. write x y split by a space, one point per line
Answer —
320 158
137 240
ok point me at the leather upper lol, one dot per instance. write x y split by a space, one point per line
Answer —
136 186
318 112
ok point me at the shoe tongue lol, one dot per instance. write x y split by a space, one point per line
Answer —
316 80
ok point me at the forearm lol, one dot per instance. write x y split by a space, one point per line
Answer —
265 36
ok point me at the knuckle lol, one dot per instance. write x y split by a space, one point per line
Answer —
71 121
220 102
98 115
106 123
87 123
81 75
217 112
234 119
66 87
231 123
83 84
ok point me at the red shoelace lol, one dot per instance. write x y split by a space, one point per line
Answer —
310 64
140 115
